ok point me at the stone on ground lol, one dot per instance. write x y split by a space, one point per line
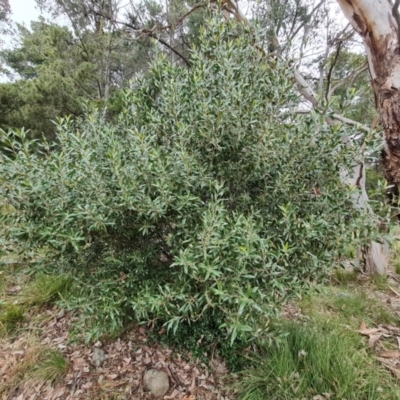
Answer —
156 382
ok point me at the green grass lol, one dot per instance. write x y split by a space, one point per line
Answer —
348 278
359 307
380 282
395 250
351 307
344 277
318 358
52 368
10 316
323 356
45 289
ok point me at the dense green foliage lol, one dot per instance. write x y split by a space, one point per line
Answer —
50 70
55 73
205 198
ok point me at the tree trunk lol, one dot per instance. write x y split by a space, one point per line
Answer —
377 21
374 258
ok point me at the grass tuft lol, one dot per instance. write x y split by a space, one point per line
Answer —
18 370
53 367
35 364
10 316
319 358
344 277
45 289
359 307
381 282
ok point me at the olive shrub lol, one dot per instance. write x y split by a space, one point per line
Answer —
206 198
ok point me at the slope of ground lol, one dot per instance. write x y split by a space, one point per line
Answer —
357 314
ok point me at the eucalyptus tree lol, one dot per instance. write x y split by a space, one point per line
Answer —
54 70
378 23
5 22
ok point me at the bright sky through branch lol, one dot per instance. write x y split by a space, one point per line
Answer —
24 11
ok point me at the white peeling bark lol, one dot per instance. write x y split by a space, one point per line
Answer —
374 258
378 24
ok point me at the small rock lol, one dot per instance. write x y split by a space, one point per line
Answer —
156 382
98 357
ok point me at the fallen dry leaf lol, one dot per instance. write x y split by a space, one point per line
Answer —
174 395
390 354
57 393
390 367
369 332
13 290
374 339
123 370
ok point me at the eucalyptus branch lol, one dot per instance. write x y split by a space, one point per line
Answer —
152 32
352 77
330 72
309 94
314 10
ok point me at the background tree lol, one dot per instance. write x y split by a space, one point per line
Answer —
57 72
4 15
53 79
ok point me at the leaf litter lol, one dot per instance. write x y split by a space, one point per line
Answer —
118 375
381 337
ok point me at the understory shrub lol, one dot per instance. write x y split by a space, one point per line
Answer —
207 196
